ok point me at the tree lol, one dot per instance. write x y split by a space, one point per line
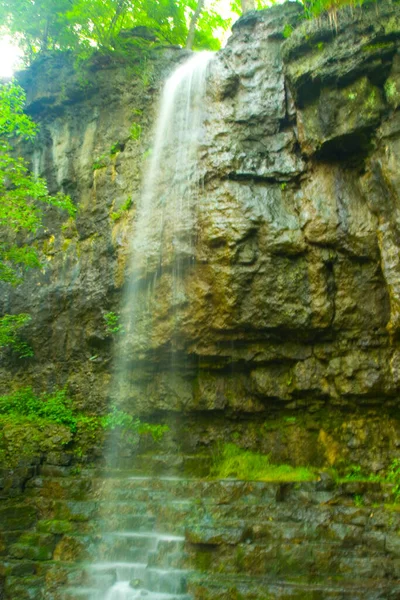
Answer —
83 25
193 23
22 196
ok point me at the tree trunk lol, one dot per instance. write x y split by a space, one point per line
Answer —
248 5
193 23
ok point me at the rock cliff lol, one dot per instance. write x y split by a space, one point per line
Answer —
286 333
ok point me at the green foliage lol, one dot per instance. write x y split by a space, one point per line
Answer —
135 131
31 424
22 196
118 419
26 437
21 193
390 88
112 323
100 162
358 500
287 30
155 431
55 408
9 327
393 476
115 148
315 8
232 461
356 473
84 25
124 208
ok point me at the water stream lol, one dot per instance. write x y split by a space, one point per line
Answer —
134 563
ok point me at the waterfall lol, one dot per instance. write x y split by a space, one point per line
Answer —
164 237
163 243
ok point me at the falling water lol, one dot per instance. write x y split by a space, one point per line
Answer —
163 243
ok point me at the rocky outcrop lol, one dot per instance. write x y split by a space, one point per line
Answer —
211 539
285 334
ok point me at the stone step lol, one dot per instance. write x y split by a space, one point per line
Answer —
213 491
120 590
140 575
153 464
220 587
289 559
26 588
134 546
116 546
176 510
217 523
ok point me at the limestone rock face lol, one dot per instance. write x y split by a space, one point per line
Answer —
289 307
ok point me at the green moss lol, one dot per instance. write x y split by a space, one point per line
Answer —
65 245
377 46
232 461
135 131
391 92
28 437
32 425
203 560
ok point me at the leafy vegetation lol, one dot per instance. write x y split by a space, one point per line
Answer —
100 162
232 461
314 8
21 192
355 473
117 26
135 131
31 424
22 196
56 408
124 208
393 476
112 323
9 328
82 25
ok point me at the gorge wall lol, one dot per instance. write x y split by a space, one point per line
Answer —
286 331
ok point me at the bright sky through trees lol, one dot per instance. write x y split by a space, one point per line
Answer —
10 56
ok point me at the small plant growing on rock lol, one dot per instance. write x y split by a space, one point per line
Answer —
115 148
393 476
287 30
112 323
135 131
156 431
124 208
32 424
100 162
10 325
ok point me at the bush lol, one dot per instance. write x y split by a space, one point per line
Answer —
54 408
31 425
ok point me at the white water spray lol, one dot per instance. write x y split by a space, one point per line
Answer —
163 241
